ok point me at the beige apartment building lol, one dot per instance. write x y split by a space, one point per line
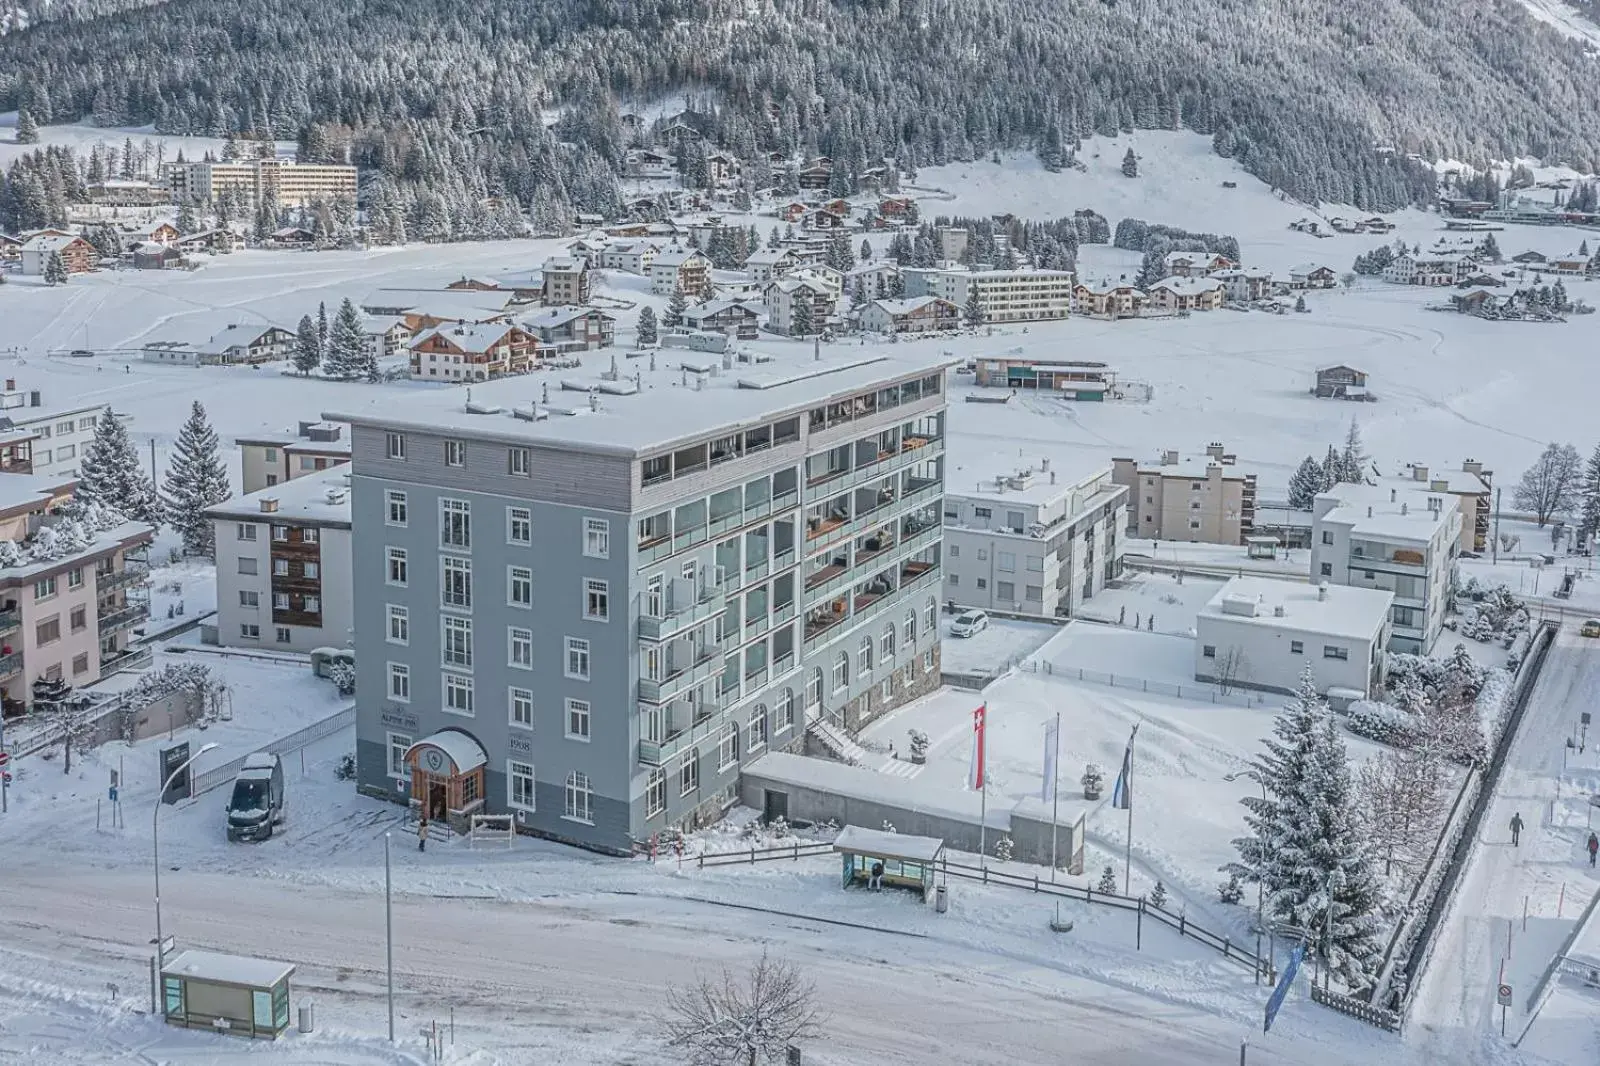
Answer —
1007 295
1472 487
65 613
250 180
275 458
1204 499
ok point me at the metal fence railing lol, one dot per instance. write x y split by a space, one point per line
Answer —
218 776
1195 693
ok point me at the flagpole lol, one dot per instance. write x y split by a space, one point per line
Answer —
1127 861
1055 795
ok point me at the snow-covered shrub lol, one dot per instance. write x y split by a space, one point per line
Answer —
1158 895
1231 890
1094 780
919 746
1003 848
1384 723
1108 881
343 676
346 769
779 827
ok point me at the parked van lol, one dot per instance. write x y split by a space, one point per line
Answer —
256 806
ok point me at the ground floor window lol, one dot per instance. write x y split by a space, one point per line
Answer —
688 774
655 793
399 744
580 799
519 785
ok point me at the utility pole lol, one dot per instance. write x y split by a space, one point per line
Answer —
1494 548
388 933
153 480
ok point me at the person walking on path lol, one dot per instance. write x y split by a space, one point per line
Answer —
1516 829
1593 846
422 835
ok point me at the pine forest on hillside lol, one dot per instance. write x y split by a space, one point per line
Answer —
452 101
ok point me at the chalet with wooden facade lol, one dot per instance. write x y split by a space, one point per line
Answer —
473 352
77 254
920 314
1106 299
573 328
736 318
682 270
1196 264
1341 383
1176 295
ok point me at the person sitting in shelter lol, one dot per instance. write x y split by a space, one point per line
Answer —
875 880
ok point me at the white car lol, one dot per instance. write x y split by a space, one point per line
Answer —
969 624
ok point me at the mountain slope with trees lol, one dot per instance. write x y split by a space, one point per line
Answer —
1322 101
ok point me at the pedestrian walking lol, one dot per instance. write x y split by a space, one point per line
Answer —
1593 846
1136 619
1516 829
1150 624
422 835
1122 615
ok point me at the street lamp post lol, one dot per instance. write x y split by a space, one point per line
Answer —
155 855
1260 893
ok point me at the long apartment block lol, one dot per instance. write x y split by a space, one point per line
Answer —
588 601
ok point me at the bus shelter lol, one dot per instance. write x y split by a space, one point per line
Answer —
226 993
908 861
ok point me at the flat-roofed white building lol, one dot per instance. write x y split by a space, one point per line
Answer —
1030 542
1261 633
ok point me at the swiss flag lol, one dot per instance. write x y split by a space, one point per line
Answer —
975 771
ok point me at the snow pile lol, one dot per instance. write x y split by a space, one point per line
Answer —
69 533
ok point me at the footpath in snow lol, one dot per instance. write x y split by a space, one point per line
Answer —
1516 905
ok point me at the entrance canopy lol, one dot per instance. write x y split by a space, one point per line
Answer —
447 753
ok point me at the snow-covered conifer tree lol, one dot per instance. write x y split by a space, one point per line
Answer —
196 479
1305 484
307 348
645 333
109 474
346 355
1589 496
1353 458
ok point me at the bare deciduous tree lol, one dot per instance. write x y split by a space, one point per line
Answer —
1551 485
1232 667
1403 800
743 1019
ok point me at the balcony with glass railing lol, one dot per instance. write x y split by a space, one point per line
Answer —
688 722
685 666
125 617
680 613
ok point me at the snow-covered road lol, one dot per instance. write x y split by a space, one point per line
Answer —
548 976
1455 1008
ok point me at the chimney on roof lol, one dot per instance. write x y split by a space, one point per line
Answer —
11 384
1322 592
1439 485
1419 472
1169 457
269 504
1044 464
1471 466
1214 449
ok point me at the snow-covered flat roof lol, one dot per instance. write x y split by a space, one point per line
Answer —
858 841
644 410
858 782
1397 509
1463 482
1333 610
228 969
1071 475
31 490
1192 466
308 500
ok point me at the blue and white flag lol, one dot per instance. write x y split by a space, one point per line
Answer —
1122 791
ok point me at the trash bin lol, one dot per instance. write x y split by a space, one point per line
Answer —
307 1018
941 898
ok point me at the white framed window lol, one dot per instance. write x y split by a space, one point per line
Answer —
930 617
655 793
927 661
455 453
727 746
577 719
280 601
284 636
86 423
456 634
399 624
886 644
280 568
247 531
577 662
45 587
756 738
597 538
397 510
519 785
520 648
784 711
399 744
455 582
458 694
580 798
400 682
249 631
395 445
280 534
864 656
649 723
520 701
519 462
688 772
596 600
309 535
814 690
911 627
455 523
519 525
841 671
1335 651
886 687
312 570
248 598
398 572
519 586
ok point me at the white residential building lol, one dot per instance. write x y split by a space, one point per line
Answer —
219 341
1031 543
769 264
1006 295
1395 537
1261 633
250 180
1196 264
783 296
632 257
45 440
680 270
919 314
1443 268
1244 286
283 566
385 334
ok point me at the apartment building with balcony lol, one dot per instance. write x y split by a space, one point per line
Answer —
589 606
283 565
1397 538
1472 489
71 592
273 458
44 439
1031 543
250 181
1002 295
1205 499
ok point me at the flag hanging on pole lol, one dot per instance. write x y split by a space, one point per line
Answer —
975 770
1052 731
1122 791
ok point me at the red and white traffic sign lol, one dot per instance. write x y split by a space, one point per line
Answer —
5 757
